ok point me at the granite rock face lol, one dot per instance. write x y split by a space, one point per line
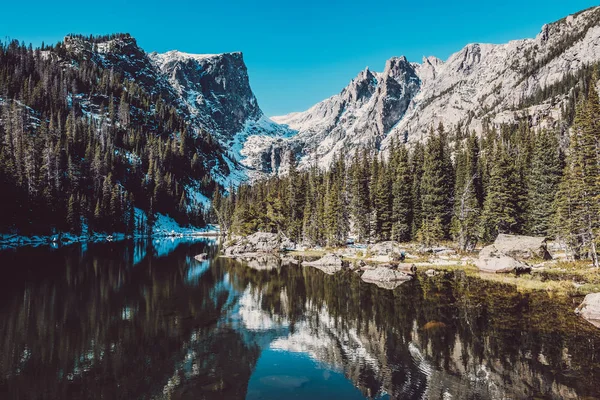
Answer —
508 253
590 309
259 242
481 82
386 278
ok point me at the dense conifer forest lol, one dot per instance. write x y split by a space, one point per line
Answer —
458 186
82 146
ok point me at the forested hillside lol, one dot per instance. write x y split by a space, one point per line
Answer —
455 186
82 145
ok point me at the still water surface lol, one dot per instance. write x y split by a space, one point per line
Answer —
145 320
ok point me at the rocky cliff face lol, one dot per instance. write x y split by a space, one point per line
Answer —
211 90
479 84
214 89
361 115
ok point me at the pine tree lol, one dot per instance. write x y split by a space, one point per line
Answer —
360 205
542 183
294 200
431 232
437 180
73 216
467 210
416 167
401 195
502 208
577 203
382 203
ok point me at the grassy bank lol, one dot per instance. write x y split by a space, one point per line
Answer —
564 278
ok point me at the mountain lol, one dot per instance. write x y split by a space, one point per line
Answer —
211 91
529 80
93 128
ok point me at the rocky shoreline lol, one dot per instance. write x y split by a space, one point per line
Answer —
511 258
13 241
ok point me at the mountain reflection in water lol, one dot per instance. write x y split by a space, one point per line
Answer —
146 320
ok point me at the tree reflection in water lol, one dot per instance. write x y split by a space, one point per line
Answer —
145 320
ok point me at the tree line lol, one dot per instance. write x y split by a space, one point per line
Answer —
461 187
82 146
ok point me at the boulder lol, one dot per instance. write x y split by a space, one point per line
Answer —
329 263
287 245
259 242
385 277
494 261
522 247
590 309
508 252
384 248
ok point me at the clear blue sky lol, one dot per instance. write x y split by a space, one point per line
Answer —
297 52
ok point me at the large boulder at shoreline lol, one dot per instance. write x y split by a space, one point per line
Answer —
508 252
522 247
259 242
329 263
384 248
386 278
490 260
590 309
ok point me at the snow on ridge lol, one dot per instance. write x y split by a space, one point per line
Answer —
176 55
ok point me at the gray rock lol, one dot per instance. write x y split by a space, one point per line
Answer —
259 242
522 247
384 248
329 263
287 245
385 277
590 309
494 261
508 252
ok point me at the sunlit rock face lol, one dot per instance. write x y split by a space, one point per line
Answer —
481 82
214 87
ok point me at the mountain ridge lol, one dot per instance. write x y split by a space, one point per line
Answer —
481 84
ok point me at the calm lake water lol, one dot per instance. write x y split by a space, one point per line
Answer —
145 320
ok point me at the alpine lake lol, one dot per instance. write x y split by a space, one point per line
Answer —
146 320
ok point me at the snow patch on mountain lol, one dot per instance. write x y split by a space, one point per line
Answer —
479 84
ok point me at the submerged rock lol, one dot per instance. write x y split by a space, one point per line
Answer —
590 309
385 277
508 251
329 263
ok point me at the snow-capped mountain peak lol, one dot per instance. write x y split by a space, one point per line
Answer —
481 83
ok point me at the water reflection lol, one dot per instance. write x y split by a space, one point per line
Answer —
147 320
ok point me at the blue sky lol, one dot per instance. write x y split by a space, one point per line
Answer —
297 52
